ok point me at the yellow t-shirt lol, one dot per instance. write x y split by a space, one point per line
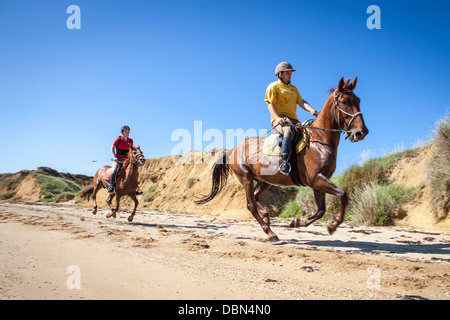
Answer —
284 97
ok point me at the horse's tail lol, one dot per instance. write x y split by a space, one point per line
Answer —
86 193
221 170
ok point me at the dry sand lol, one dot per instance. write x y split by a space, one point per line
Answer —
172 255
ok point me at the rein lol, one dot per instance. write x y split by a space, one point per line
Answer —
336 105
317 128
298 125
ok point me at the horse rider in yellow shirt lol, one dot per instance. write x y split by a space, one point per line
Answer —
282 99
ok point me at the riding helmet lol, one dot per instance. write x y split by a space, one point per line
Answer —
283 66
125 127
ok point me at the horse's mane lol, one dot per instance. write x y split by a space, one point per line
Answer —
128 159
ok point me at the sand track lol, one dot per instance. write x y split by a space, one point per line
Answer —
173 255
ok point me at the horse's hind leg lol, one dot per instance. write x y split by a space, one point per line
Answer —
136 202
109 202
252 206
259 189
94 197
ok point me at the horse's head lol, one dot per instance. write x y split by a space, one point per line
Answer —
137 156
346 111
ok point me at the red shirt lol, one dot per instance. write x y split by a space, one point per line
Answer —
122 147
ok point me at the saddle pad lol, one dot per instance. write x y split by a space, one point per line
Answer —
107 174
271 147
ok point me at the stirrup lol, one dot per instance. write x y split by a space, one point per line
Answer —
111 189
283 170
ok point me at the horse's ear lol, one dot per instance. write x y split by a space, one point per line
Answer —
340 85
138 147
353 84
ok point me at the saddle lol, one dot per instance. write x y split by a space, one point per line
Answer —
272 144
272 147
108 173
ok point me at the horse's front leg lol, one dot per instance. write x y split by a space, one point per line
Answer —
136 203
339 218
319 197
324 184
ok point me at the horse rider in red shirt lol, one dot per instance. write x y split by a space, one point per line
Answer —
119 149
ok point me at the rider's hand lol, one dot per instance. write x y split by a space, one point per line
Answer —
280 121
315 113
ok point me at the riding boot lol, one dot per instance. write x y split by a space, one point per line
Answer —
285 167
112 183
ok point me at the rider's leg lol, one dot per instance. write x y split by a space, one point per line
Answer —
285 167
112 183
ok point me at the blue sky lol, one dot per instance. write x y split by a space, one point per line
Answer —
159 66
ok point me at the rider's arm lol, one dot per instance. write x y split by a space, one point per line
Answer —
274 114
113 151
305 106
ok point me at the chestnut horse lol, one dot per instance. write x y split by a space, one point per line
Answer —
126 186
316 163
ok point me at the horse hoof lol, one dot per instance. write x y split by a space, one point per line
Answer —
293 223
130 219
94 212
330 229
273 238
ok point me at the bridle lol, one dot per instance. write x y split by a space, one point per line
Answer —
136 159
337 117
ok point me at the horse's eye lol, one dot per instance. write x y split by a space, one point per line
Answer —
344 102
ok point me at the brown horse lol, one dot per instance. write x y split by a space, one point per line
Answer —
126 186
316 163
